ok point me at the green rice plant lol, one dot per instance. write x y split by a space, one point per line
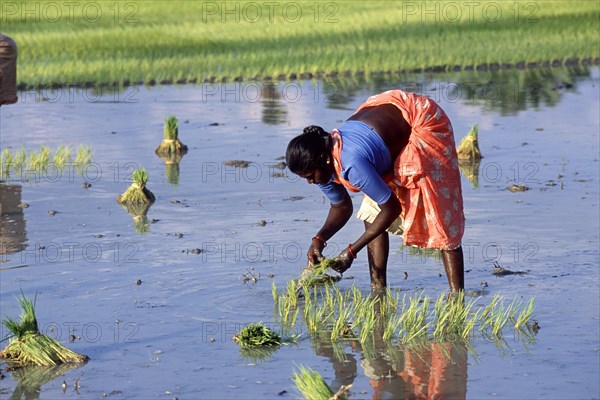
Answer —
469 146
19 160
313 387
495 315
6 164
414 318
137 192
83 158
38 161
257 335
391 327
314 275
365 319
525 314
171 144
62 157
274 292
341 327
28 346
115 53
452 320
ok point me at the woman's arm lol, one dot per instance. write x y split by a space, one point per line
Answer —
337 217
390 210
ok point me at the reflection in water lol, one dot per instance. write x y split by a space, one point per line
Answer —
139 212
274 110
13 235
172 167
507 91
31 378
431 370
423 369
470 170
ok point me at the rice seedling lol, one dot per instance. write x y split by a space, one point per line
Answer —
137 192
452 320
256 335
38 161
525 314
83 158
6 164
469 146
171 144
62 157
28 346
414 318
274 292
313 275
313 387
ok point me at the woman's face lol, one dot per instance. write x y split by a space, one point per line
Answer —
319 175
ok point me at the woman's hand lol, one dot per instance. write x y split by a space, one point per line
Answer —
315 252
344 261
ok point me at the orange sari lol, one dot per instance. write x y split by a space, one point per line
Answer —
425 178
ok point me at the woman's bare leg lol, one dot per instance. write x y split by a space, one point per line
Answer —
378 250
455 268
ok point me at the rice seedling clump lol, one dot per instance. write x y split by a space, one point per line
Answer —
315 274
171 144
29 347
137 192
469 146
256 335
312 385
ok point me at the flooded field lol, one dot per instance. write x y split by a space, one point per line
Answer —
154 297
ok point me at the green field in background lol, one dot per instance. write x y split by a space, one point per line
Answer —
114 42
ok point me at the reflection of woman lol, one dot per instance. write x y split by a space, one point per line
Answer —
398 149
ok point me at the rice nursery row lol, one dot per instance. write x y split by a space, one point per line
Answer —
331 314
23 165
198 41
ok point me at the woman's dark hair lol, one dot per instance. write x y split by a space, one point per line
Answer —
308 151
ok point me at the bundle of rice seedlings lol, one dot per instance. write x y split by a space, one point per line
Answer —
257 335
313 387
314 275
137 192
29 347
171 143
469 146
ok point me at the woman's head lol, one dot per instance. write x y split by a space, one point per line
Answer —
309 151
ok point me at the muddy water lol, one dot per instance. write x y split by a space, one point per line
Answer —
170 334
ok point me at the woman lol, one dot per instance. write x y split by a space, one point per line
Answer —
398 149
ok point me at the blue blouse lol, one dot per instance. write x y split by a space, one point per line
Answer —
365 159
